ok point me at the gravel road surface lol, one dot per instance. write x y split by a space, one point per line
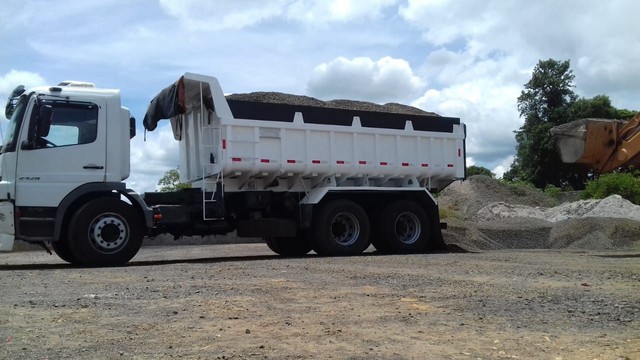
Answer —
242 302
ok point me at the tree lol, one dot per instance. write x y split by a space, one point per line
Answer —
545 102
479 170
171 181
597 107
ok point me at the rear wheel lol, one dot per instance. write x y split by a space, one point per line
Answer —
105 232
404 227
289 246
340 228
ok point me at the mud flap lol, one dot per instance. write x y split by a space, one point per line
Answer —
7 228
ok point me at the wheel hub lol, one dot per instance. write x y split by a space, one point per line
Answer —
408 228
345 229
108 233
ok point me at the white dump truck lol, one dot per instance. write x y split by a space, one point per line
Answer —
301 177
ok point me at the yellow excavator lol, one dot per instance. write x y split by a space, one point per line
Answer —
602 144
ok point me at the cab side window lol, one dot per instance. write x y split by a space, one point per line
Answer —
71 124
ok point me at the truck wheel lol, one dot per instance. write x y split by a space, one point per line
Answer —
287 246
404 227
61 248
105 232
340 228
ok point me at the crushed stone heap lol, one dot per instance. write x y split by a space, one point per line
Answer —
500 216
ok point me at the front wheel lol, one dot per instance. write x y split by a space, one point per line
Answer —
105 232
61 248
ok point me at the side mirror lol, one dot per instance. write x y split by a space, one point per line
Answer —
132 127
44 120
13 101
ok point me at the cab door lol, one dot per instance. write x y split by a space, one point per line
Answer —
52 163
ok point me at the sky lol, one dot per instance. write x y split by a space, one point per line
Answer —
459 58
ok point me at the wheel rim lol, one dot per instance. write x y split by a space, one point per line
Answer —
108 233
345 229
408 228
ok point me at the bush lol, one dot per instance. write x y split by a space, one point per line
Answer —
552 191
624 184
448 213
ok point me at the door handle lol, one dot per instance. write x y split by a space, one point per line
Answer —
96 167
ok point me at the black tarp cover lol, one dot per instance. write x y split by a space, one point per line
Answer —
168 103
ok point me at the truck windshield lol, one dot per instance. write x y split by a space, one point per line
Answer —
11 137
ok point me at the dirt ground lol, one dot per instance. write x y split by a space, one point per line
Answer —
242 302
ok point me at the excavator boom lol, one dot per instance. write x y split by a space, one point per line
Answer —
602 144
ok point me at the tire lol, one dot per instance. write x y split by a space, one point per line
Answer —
286 246
61 248
340 228
105 232
404 227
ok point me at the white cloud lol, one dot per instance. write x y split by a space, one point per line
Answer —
383 80
10 80
504 166
219 14
599 37
152 158
486 104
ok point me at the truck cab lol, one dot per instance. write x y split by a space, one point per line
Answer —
64 143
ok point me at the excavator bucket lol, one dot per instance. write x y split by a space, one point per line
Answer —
586 141
603 144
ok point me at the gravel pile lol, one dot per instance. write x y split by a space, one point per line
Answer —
499 216
283 98
469 196
611 207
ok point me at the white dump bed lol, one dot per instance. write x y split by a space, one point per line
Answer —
265 152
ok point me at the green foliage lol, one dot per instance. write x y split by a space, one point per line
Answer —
545 102
552 191
624 114
597 107
517 183
479 170
626 185
448 213
548 100
171 181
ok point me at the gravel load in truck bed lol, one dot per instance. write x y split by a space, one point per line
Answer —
290 99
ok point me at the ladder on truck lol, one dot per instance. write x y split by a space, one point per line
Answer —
212 175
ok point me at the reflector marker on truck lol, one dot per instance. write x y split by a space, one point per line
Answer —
236 159
383 163
362 162
459 152
224 144
264 160
340 162
424 165
449 165
315 161
291 161
405 164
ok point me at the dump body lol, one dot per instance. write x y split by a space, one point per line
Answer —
248 142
